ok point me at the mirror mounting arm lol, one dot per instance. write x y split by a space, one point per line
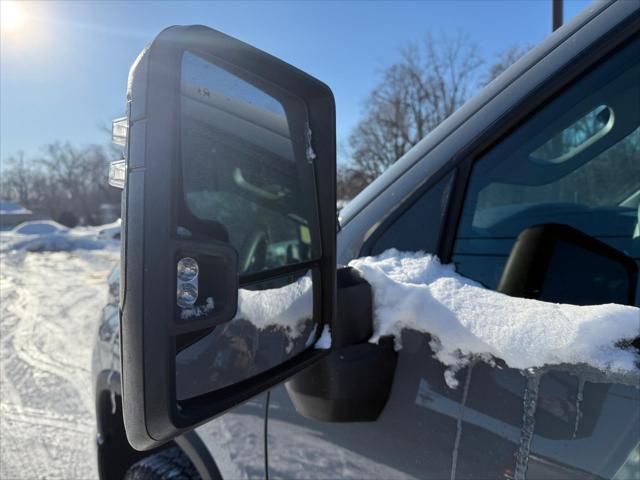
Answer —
353 382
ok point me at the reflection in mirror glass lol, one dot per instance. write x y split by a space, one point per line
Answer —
203 79
575 138
274 323
245 181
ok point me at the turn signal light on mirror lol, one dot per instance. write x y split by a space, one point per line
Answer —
187 295
119 131
187 271
118 173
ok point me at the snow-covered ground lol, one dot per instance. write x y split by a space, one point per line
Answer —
50 302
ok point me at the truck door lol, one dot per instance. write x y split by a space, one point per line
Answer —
574 160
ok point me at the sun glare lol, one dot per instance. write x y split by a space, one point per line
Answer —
12 16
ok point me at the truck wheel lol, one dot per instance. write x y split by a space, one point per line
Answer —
170 464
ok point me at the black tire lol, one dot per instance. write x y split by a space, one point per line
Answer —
170 464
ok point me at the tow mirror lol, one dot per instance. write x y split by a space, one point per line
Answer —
557 263
228 262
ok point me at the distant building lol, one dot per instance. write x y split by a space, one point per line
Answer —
12 214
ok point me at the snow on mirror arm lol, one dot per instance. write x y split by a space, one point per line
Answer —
466 321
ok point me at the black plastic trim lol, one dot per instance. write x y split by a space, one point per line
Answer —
353 382
200 456
528 262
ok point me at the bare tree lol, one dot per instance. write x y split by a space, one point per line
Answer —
350 181
431 80
507 58
16 179
65 183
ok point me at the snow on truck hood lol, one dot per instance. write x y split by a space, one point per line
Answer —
466 321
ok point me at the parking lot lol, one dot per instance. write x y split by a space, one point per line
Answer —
49 306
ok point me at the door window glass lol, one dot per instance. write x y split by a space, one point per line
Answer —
575 162
418 227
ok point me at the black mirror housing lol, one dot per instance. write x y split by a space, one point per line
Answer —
154 215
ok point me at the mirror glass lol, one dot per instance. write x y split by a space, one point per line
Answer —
246 176
248 181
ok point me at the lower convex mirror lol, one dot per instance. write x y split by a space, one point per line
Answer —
274 323
229 237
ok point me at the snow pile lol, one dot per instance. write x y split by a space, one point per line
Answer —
50 236
101 232
415 291
39 227
287 306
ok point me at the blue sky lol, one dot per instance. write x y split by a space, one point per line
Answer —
64 71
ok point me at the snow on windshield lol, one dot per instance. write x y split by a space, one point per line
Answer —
466 320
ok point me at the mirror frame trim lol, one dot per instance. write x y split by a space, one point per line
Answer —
152 415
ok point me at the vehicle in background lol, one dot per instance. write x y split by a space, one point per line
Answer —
39 227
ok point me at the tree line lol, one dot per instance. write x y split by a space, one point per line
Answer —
65 183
